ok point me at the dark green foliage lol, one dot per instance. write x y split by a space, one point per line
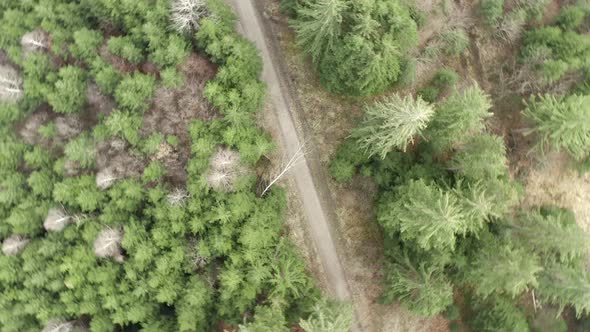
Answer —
565 285
69 92
492 11
153 172
442 80
548 319
348 157
497 314
105 75
355 48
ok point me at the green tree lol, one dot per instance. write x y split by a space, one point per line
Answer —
86 44
551 233
69 92
125 48
565 285
561 122
82 150
423 289
423 214
329 316
134 93
266 319
319 26
482 157
497 314
392 124
458 117
498 268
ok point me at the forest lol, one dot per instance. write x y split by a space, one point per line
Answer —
458 239
136 192
129 162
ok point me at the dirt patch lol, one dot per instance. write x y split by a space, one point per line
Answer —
174 109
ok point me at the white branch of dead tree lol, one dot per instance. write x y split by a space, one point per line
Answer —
297 158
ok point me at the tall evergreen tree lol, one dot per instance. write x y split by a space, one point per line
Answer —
423 289
482 157
566 285
392 124
425 215
498 268
562 122
458 117
319 26
329 316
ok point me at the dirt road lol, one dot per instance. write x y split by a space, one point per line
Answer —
316 216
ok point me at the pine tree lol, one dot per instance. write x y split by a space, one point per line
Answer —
482 157
458 117
498 268
266 319
319 26
425 215
562 122
423 289
392 124
329 316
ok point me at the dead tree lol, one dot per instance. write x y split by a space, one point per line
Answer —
187 14
10 84
62 325
14 244
224 170
108 244
57 219
297 158
35 41
105 178
177 197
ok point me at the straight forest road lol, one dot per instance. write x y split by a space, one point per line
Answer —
315 213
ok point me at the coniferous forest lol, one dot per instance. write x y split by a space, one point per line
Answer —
136 192
128 195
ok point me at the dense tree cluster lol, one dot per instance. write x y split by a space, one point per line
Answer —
358 47
451 218
86 248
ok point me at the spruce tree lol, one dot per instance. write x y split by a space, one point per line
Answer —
562 122
498 268
482 157
319 26
458 117
423 289
564 285
425 215
392 124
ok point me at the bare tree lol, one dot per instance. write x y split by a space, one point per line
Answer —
105 178
178 196
62 325
224 169
198 261
35 41
108 244
57 219
14 244
187 14
10 84
297 158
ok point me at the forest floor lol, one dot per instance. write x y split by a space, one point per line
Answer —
326 119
